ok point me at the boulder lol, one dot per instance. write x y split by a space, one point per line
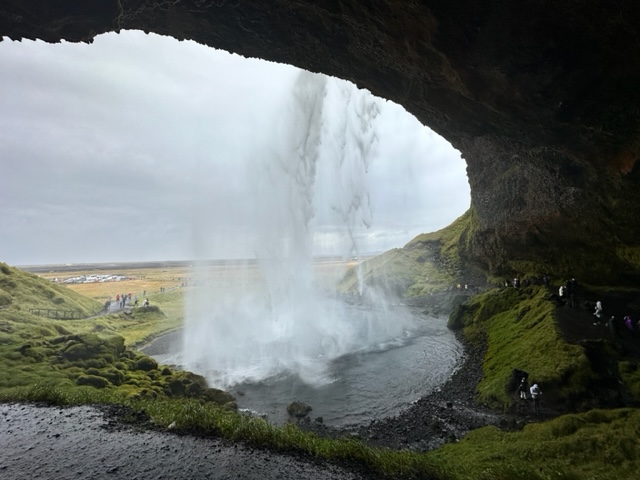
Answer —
298 409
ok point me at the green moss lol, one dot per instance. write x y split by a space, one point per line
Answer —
5 298
146 364
600 444
92 347
630 375
177 387
92 381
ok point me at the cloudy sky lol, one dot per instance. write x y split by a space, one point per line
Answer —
138 147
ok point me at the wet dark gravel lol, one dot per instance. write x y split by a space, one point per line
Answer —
81 443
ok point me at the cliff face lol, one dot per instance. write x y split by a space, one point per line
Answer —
541 97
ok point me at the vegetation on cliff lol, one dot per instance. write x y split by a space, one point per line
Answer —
521 329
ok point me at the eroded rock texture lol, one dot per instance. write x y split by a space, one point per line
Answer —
542 97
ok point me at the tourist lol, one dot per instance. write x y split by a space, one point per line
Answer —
613 327
522 389
561 293
535 396
628 322
598 312
572 288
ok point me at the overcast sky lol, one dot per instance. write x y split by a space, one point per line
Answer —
138 148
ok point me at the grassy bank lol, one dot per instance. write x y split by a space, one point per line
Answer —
519 327
521 331
596 445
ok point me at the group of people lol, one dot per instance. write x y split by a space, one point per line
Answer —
613 323
123 300
535 280
525 392
568 293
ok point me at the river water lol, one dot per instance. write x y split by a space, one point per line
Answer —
375 382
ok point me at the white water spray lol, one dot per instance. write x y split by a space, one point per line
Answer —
273 320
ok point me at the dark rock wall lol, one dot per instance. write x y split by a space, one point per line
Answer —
542 97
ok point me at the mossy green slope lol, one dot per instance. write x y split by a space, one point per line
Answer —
596 445
429 263
80 355
519 327
21 291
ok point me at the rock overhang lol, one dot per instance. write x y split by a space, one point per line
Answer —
541 98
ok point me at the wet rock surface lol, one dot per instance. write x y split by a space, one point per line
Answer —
91 443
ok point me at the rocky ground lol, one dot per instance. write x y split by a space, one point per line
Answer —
39 442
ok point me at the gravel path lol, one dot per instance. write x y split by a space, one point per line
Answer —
80 443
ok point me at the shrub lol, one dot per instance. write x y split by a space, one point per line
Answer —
218 396
146 364
92 381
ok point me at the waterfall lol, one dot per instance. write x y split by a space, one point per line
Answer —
271 319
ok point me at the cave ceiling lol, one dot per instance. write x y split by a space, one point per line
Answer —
541 97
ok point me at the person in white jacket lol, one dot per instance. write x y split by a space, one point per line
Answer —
535 396
598 312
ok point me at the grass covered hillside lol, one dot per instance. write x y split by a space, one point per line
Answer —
86 359
519 328
21 291
428 264
582 365
589 375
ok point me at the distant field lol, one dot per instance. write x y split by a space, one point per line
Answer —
155 280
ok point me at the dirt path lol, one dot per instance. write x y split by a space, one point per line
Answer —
579 324
80 443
